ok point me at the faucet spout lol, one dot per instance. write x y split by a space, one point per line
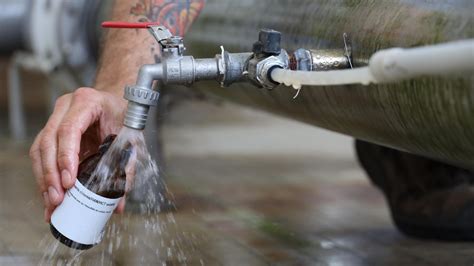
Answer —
141 96
148 73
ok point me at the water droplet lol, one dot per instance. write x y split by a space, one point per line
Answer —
296 86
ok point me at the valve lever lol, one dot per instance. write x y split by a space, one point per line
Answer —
160 33
127 25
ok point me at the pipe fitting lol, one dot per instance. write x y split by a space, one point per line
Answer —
329 59
320 60
136 115
301 60
141 95
231 67
259 69
139 101
226 67
148 73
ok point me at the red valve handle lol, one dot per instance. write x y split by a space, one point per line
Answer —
127 25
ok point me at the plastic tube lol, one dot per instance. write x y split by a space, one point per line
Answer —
390 65
322 78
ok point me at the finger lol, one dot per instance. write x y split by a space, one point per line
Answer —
130 170
84 111
47 215
46 200
47 206
35 157
49 165
121 205
48 152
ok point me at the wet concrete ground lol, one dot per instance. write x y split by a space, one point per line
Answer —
250 189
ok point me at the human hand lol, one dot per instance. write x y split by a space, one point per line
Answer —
75 129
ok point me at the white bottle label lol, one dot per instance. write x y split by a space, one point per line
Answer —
83 214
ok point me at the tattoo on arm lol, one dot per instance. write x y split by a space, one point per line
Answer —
176 15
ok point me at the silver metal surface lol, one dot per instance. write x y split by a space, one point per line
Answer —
57 38
16 117
160 33
206 69
141 95
231 67
77 37
328 59
13 21
178 70
136 115
148 73
259 68
227 68
302 60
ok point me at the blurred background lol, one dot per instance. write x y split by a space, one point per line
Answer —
250 188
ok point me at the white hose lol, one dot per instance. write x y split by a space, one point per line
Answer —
391 65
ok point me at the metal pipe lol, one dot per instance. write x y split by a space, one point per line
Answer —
148 73
177 69
329 59
142 96
205 69
15 105
136 115
232 67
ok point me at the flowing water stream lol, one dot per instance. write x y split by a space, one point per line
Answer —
141 232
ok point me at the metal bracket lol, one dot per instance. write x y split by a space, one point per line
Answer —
171 45
160 33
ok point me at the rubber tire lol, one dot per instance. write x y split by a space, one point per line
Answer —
380 162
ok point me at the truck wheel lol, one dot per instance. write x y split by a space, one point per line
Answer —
427 198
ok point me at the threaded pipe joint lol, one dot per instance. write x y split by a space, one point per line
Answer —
141 95
139 101
136 115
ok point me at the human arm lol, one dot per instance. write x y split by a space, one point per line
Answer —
82 119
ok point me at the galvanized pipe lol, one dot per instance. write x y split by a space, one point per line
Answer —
141 96
205 69
148 73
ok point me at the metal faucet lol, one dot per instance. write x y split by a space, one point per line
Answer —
226 68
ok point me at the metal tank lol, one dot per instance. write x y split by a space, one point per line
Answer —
431 116
57 34
57 38
13 19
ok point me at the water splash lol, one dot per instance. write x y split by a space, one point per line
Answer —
56 253
131 238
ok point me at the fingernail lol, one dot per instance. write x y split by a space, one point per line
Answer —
66 177
45 215
53 195
46 199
